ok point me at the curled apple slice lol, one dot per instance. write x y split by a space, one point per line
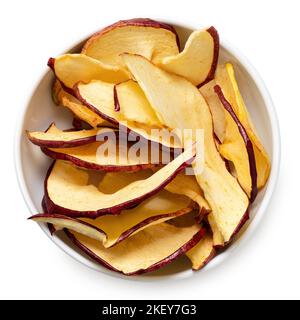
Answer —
216 109
149 38
188 186
146 251
198 61
171 96
60 222
100 97
110 230
67 190
93 156
72 68
237 147
63 98
130 96
202 253
225 77
218 239
56 138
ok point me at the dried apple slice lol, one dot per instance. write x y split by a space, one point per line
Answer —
146 251
100 97
202 253
225 77
67 190
149 38
198 61
72 68
130 96
182 185
216 109
188 186
110 229
53 137
60 222
178 104
237 148
218 239
88 157
63 98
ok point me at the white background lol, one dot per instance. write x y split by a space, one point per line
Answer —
267 32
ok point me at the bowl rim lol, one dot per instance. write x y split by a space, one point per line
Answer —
270 188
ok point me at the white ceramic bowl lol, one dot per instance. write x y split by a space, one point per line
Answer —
39 111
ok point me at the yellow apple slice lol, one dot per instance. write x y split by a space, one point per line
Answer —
81 147
152 39
225 77
53 137
188 186
72 68
110 229
86 157
146 251
202 253
68 192
63 98
100 97
179 105
216 109
130 96
182 184
238 148
218 239
123 102
198 61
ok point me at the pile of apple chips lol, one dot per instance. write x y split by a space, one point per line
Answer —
125 186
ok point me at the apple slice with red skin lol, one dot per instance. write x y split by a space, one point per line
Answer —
50 226
110 229
81 148
146 251
130 96
198 61
67 190
218 239
238 148
225 77
60 222
63 98
182 184
179 104
100 98
53 137
202 253
216 109
152 39
72 68
87 157
187 185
